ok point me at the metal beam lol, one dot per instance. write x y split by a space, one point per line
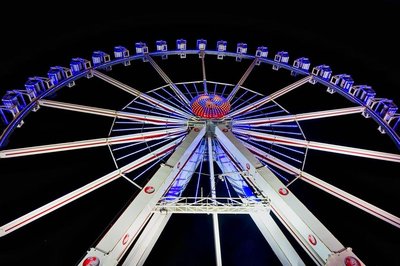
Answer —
242 80
217 241
211 205
80 192
334 191
282 248
148 238
274 236
146 119
157 103
164 76
270 97
313 145
203 68
113 245
313 236
91 143
266 121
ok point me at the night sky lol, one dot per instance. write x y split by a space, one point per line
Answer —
356 40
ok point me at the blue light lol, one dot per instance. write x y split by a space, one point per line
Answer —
241 48
57 74
322 71
262 51
181 44
141 48
161 46
78 65
302 63
282 57
364 93
201 44
100 57
13 103
221 46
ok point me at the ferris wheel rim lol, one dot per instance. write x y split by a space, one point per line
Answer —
270 138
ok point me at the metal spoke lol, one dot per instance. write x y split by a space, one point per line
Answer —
78 193
147 119
243 102
203 68
270 97
217 241
242 80
357 202
265 114
247 115
320 146
164 76
187 90
154 102
266 121
91 143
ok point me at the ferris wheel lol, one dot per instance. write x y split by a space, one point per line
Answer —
205 147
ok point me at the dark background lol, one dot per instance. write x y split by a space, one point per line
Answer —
360 40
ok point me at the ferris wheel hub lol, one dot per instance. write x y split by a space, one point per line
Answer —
210 106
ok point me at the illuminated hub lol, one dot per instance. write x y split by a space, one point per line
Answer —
210 106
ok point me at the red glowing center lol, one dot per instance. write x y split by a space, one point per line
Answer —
210 106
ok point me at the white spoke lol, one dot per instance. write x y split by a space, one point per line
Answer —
242 80
357 202
217 241
203 68
164 76
320 146
266 121
147 119
270 97
91 143
76 194
154 102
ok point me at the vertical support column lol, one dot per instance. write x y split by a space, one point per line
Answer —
203 68
147 239
282 248
310 233
217 241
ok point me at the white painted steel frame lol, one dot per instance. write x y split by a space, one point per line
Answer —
113 245
267 226
313 145
145 118
334 191
91 143
299 221
266 121
147 239
217 241
242 80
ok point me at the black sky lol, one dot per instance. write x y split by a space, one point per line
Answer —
360 40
